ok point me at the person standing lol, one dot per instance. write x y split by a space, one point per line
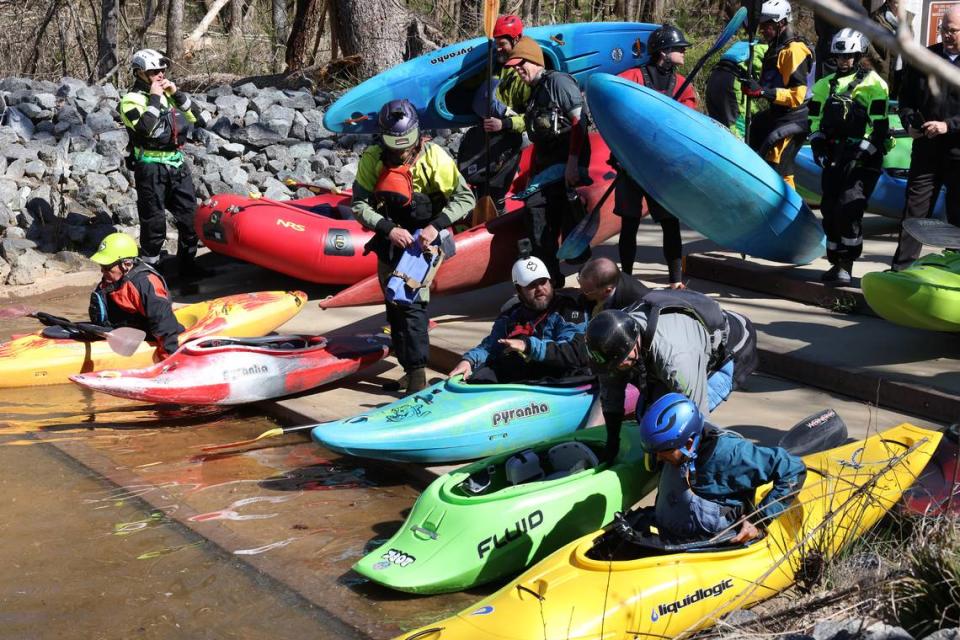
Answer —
933 120
786 81
848 119
159 119
724 100
556 125
667 46
825 31
405 184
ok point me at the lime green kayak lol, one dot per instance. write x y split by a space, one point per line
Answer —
924 296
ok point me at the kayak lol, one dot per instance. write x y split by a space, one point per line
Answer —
604 586
442 84
315 239
452 420
34 360
925 295
889 196
496 516
218 370
540 498
937 491
700 172
486 253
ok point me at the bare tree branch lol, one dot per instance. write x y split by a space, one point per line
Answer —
193 41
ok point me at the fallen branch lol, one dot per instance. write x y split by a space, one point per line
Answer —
193 41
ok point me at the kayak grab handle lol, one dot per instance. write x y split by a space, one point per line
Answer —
425 632
558 38
356 119
427 532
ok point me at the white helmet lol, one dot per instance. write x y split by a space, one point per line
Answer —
149 60
527 270
848 41
775 10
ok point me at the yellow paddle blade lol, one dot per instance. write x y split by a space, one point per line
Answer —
277 431
490 10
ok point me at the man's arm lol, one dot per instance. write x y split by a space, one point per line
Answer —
482 352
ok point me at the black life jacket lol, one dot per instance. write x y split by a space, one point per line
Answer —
844 117
648 81
546 121
702 308
169 134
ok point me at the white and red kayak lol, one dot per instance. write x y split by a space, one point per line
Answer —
218 370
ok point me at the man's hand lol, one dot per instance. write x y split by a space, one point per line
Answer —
463 368
492 124
934 128
747 532
427 235
168 87
511 345
400 237
752 88
156 86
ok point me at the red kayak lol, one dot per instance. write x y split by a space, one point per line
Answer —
314 239
936 491
486 253
220 371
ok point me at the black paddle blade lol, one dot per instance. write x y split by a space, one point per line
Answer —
933 232
818 432
125 340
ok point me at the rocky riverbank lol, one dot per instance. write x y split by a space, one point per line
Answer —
64 184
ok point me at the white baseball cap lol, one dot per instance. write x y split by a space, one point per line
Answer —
527 270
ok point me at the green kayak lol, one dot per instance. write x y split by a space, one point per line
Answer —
497 516
924 296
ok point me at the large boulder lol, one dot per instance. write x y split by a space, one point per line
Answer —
231 107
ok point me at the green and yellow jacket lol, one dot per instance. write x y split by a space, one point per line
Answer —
158 125
851 108
514 94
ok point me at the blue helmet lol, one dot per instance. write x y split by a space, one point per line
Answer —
669 423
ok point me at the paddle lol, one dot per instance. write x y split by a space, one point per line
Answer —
123 341
728 32
932 232
269 433
486 209
579 238
316 188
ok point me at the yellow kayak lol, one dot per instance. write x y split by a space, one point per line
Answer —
33 360
573 594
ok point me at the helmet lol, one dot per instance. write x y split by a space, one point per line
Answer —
666 37
149 60
508 27
399 124
114 248
528 270
848 41
669 423
611 337
775 10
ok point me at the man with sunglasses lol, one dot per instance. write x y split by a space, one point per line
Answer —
132 294
159 118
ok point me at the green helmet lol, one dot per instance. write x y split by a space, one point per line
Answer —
114 248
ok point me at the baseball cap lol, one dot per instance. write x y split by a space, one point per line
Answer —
525 49
527 270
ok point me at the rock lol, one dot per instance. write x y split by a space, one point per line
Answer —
276 166
102 121
278 119
250 118
19 123
11 247
25 268
4 270
68 115
858 628
70 87
33 111
247 90
16 168
739 617
110 92
266 98
35 169
237 178
222 90
347 174
85 162
275 190
8 219
15 151
302 151
232 150
113 142
9 194
231 106
118 182
257 136
944 634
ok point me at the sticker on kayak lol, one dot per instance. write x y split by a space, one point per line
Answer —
482 611
690 598
617 54
395 556
452 54
339 243
519 528
503 418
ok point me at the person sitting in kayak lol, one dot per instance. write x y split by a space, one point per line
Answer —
667 46
405 184
131 293
498 139
672 341
538 338
709 475
557 126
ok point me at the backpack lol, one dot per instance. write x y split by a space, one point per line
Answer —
692 303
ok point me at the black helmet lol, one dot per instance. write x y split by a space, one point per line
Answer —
399 124
666 37
611 337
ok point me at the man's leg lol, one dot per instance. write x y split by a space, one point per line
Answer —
923 187
182 202
151 196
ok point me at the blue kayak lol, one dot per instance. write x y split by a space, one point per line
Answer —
703 174
442 84
452 420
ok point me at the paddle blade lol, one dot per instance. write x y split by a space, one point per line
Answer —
732 27
125 340
15 311
578 241
818 432
490 10
484 212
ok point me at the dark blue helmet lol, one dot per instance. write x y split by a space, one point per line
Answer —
669 423
399 124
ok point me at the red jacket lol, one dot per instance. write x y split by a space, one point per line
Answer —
689 97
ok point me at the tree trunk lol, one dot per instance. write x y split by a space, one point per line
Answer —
306 24
374 29
175 31
193 41
531 12
279 18
107 37
471 17
236 24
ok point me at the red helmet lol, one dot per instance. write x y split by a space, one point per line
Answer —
508 27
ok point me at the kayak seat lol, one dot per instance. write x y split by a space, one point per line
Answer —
524 467
568 458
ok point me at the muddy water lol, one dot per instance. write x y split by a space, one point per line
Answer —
117 524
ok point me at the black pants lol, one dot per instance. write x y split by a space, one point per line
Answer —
161 187
550 213
846 190
408 327
628 204
496 178
934 163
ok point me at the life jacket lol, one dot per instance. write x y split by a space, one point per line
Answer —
394 196
545 121
169 134
696 305
649 83
844 117
772 76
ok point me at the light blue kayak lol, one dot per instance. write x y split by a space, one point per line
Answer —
452 420
442 83
703 174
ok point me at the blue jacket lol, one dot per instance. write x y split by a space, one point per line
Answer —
728 469
554 338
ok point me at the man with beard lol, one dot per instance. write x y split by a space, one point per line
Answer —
537 338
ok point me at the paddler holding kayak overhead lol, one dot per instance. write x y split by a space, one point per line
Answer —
403 185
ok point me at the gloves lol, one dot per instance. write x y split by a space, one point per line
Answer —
754 89
821 150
